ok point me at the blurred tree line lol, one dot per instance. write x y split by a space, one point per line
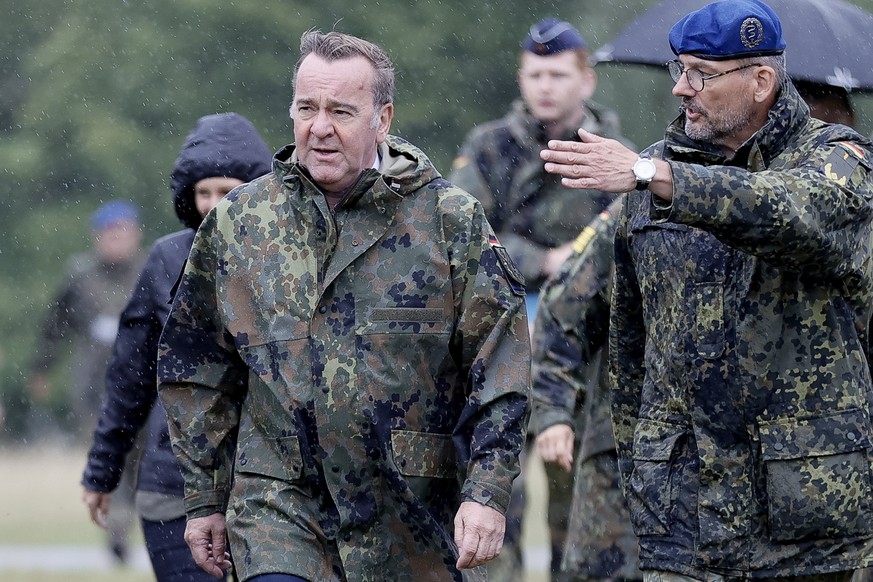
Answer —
99 95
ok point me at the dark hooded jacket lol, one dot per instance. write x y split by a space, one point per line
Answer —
224 144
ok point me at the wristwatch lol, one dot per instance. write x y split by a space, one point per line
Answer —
644 170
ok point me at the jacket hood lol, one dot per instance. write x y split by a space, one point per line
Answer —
222 144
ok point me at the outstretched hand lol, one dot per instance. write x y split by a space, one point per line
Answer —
595 163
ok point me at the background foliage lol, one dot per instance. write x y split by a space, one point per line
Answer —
98 95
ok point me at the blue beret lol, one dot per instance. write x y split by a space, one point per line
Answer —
112 212
729 29
550 36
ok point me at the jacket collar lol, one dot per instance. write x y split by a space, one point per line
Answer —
404 169
788 116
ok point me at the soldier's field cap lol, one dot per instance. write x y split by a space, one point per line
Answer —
728 29
550 36
113 212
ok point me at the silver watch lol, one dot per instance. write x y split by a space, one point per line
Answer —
644 171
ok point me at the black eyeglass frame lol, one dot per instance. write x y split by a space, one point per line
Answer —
676 69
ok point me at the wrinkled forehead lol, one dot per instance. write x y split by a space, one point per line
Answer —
318 78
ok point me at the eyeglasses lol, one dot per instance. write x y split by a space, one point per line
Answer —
696 78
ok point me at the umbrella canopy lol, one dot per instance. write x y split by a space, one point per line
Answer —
829 42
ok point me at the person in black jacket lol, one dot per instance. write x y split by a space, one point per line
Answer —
221 152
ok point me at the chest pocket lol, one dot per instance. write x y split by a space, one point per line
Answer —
658 251
689 265
401 352
657 246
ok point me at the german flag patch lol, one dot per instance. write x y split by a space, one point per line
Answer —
843 160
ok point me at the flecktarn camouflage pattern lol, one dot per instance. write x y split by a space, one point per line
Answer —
530 209
341 380
742 395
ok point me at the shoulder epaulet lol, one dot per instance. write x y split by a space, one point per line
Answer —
589 232
843 160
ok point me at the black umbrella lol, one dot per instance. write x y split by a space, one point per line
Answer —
829 42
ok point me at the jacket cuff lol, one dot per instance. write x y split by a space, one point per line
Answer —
203 503
543 416
486 494
661 210
203 512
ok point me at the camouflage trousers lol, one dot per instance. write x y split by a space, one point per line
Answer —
657 576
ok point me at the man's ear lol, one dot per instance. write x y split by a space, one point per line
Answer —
765 83
386 116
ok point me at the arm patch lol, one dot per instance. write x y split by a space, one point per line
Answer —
842 161
513 275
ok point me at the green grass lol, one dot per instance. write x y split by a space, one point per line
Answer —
42 498
42 506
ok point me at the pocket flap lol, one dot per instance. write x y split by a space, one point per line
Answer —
277 457
424 454
642 221
654 440
792 438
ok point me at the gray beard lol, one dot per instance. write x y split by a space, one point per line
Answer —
717 130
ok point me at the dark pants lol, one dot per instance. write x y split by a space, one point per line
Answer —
170 556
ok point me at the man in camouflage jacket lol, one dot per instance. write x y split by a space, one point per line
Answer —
535 216
499 162
741 393
347 359
569 372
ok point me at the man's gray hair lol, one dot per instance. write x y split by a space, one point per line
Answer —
776 62
333 46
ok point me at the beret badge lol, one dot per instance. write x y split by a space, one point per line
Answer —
751 32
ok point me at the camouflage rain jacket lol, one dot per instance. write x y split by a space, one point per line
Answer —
570 386
529 209
742 396
371 363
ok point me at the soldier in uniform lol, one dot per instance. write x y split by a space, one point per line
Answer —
83 320
569 373
535 216
741 395
346 364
